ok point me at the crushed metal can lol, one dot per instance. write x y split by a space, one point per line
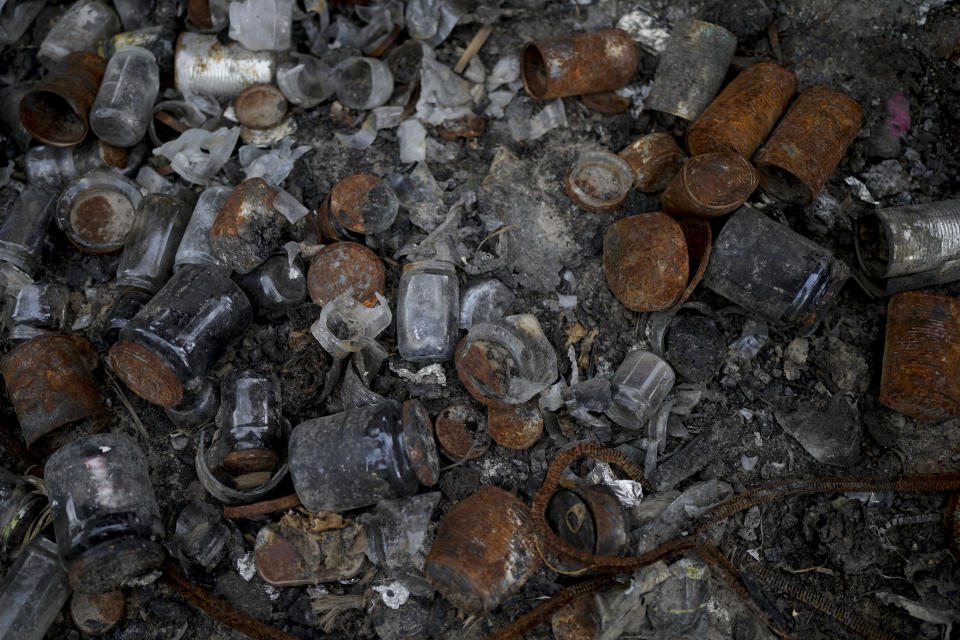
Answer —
710 185
911 246
773 271
105 512
310 548
50 383
485 550
180 334
248 229
920 377
55 109
653 262
745 112
203 65
577 64
692 68
654 158
807 145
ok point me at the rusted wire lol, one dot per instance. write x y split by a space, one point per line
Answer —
260 508
953 523
551 547
219 610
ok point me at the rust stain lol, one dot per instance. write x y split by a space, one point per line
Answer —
461 432
485 370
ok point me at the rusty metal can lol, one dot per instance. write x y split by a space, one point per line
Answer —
591 519
362 204
654 158
921 356
250 421
576 64
807 145
248 229
50 383
180 334
914 245
485 550
745 112
691 69
710 185
203 65
645 260
344 267
773 271
55 110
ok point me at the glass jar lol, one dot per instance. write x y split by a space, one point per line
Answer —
124 104
428 312
195 244
147 259
250 421
33 592
23 236
105 513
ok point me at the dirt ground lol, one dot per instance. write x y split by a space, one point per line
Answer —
868 554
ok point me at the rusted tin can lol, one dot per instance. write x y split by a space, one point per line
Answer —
344 267
55 110
914 245
599 181
105 513
590 519
745 112
203 65
50 383
250 421
360 457
691 69
576 64
98 210
362 204
248 229
654 158
774 272
807 145
485 550
921 356
645 260
180 334
710 185
260 106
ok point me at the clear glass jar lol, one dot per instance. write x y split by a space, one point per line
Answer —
35 308
79 28
250 421
124 104
639 386
360 457
105 513
33 592
24 235
147 259
428 312
195 244
363 83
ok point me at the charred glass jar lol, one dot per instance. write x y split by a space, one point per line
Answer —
147 259
250 421
105 512
23 236
180 334
358 458
428 312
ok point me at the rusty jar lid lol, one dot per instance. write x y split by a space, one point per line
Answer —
645 260
146 374
516 426
260 106
710 185
346 267
363 203
97 211
462 432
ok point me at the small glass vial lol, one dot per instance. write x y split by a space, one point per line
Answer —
134 14
428 312
199 405
105 513
147 259
639 386
79 28
363 83
250 421
360 457
180 334
24 235
195 244
20 508
124 104
33 592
